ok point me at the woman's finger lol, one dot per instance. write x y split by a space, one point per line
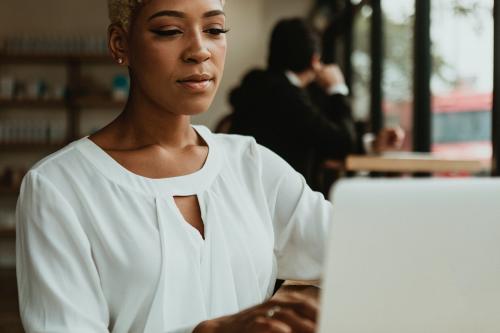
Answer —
269 325
302 305
296 322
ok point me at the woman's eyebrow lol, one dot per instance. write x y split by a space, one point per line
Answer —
175 13
214 13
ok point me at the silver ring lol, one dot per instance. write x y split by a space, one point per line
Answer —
272 311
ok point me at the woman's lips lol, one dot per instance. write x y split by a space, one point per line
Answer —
197 82
196 85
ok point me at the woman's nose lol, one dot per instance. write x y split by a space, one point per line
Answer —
197 52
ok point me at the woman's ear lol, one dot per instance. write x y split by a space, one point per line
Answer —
118 44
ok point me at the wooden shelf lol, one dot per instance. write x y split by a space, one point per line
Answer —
28 147
98 102
7 233
38 104
9 191
10 320
27 58
90 102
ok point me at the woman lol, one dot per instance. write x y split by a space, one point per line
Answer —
153 225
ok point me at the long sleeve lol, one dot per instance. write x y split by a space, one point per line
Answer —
334 133
301 218
335 109
59 287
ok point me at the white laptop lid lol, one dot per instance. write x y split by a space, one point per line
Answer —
413 256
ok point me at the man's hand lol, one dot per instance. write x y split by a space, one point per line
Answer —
328 76
388 139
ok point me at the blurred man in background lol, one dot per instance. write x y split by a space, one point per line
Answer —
298 107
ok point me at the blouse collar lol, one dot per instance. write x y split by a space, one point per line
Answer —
190 184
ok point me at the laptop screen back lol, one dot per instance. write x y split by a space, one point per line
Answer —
413 256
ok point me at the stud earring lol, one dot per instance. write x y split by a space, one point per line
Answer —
120 61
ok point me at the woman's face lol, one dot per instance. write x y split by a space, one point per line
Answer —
176 53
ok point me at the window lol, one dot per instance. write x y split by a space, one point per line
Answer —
462 77
361 63
397 86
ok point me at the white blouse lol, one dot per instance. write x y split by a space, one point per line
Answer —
101 249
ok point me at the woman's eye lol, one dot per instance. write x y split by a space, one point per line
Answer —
216 31
167 33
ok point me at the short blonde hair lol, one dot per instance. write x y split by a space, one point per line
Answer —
120 11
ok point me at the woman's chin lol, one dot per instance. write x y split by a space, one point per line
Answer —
194 107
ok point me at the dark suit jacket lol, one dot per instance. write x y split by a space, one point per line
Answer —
283 118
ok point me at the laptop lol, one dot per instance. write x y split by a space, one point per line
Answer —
413 255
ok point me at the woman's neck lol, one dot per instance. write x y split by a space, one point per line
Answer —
142 125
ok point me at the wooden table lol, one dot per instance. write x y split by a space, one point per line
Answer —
414 162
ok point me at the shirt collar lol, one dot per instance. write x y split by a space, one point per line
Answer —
293 78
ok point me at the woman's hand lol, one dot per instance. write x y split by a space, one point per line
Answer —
284 313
